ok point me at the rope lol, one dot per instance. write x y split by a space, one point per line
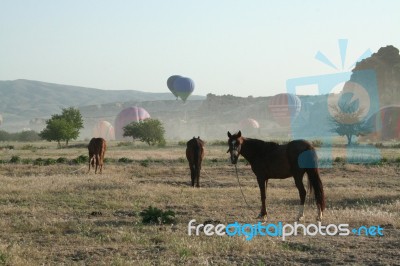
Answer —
78 169
240 186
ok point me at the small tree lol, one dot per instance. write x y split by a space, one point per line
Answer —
150 131
347 120
63 127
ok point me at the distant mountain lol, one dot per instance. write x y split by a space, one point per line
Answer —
23 100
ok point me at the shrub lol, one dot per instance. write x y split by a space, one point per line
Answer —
81 159
317 143
125 160
182 143
145 163
38 161
15 159
124 144
62 160
50 161
153 215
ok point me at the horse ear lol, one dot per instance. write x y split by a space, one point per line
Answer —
229 134
239 134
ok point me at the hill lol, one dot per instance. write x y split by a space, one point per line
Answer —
23 100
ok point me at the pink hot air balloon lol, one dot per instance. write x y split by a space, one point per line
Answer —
284 108
103 129
127 116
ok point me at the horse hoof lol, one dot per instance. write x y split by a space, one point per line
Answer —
262 217
319 219
300 218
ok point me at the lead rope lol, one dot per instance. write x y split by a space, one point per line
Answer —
240 186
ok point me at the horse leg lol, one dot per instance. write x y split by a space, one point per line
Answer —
262 184
101 165
192 173
97 163
91 161
198 176
298 179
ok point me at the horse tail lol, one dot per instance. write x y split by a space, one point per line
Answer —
196 157
315 183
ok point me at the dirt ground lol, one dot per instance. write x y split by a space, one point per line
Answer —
59 214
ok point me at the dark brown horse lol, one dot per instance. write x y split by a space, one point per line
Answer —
195 155
270 160
97 148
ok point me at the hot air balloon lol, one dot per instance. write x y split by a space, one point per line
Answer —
385 124
284 108
103 129
180 86
170 84
250 127
249 123
183 87
127 116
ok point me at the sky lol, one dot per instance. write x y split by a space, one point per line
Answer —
232 47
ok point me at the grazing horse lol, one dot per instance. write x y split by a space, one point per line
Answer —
195 155
270 160
97 148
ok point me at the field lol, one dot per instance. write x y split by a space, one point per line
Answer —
55 213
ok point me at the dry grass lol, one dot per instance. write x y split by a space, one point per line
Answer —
53 215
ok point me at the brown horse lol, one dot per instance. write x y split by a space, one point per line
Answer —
195 155
270 160
97 148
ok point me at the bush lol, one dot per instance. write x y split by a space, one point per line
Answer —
15 159
145 163
125 160
81 159
182 143
39 161
149 130
219 143
317 143
124 144
62 160
153 215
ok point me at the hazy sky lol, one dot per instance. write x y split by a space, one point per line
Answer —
227 47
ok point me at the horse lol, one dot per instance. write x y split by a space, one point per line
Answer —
97 148
270 160
195 155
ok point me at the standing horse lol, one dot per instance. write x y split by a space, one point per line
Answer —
270 160
195 155
97 148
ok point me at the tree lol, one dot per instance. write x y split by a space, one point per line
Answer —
149 130
63 127
28 135
347 122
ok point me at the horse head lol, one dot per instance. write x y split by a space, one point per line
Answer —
235 143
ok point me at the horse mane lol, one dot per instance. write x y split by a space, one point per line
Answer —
261 147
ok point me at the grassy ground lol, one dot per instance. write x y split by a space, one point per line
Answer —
59 214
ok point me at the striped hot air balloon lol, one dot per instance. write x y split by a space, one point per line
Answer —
385 124
284 107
